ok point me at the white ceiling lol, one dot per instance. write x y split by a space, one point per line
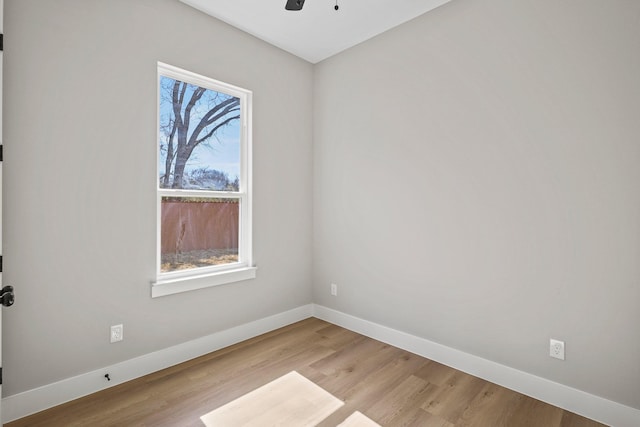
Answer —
317 31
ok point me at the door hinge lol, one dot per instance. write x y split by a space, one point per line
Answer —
0 255
1 42
0 375
1 152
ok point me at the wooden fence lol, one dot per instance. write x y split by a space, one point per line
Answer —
189 226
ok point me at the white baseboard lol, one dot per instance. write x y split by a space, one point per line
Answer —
29 402
571 399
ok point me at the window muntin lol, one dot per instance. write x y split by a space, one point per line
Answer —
204 203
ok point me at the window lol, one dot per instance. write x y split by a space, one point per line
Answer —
204 182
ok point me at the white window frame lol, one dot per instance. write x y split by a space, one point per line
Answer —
168 283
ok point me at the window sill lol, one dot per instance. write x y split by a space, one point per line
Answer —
191 283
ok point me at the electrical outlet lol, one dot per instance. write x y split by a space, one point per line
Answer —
556 349
117 333
334 289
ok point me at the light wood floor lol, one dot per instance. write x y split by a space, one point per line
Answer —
391 386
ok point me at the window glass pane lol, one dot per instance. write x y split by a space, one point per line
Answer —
199 138
198 232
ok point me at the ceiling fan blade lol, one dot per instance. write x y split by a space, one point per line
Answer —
294 4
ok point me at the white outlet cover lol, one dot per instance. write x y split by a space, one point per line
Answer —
556 349
117 333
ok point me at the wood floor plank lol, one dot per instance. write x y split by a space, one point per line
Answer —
421 418
389 385
375 387
452 398
346 368
336 337
436 373
569 419
404 399
532 412
493 406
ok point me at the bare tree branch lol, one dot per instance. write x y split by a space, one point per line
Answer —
215 129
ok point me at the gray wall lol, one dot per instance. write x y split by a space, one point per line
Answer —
476 183
80 177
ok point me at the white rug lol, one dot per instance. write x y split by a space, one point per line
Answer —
289 401
357 419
